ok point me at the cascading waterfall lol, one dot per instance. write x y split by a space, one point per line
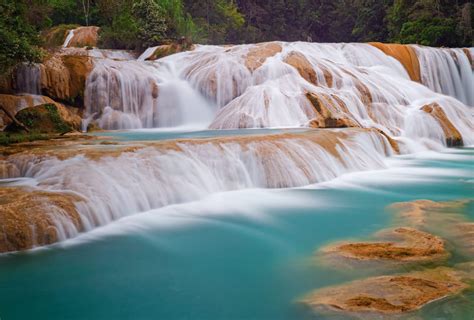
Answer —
28 78
130 94
68 39
177 172
447 71
266 85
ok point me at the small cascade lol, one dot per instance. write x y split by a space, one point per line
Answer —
68 39
447 71
28 78
182 171
130 94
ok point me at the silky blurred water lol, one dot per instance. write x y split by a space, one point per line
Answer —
235 255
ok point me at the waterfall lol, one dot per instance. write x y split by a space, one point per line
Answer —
28 78
447 71
267 85
130 94
180 171
68 39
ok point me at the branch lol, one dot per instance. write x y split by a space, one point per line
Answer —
15 120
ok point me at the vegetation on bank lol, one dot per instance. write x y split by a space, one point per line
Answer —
137 24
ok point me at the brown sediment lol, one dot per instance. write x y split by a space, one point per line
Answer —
453 136
259 53
409 245
30 217
389 294
403 53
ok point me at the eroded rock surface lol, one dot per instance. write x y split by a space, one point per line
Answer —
389 294
401 244
30 217
405 54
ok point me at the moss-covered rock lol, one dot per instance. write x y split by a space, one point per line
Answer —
46 118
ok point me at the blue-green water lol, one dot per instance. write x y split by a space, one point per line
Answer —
236 255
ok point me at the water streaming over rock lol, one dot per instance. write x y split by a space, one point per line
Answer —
28 78
267 85
447 71
176 172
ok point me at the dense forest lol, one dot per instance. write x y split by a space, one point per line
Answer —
137 24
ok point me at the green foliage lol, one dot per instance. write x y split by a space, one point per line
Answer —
7 138
150 21
40 119
429 32
18 38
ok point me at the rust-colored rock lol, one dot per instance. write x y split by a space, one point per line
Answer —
330 112
467 52
391 294
259 53
29 217
444 218
63 77
401 244
169 49
453 136
84 37
307 71
403 53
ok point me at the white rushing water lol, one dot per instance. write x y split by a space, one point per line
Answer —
156 176
68 39
214 86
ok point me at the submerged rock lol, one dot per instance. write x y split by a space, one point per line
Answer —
389 294
30 217
443 218
402 244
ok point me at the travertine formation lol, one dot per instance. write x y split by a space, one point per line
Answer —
390 294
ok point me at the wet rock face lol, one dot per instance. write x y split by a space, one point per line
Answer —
63 77
84 37
453 136
329 112
258 54
405 54
30 218
389 294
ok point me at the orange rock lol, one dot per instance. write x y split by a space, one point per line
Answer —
403 53
259 53
390 294
407 244
85 37
30 218
63 77
453 136
306 70
330 112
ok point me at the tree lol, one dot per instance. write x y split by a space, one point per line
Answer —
18 38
